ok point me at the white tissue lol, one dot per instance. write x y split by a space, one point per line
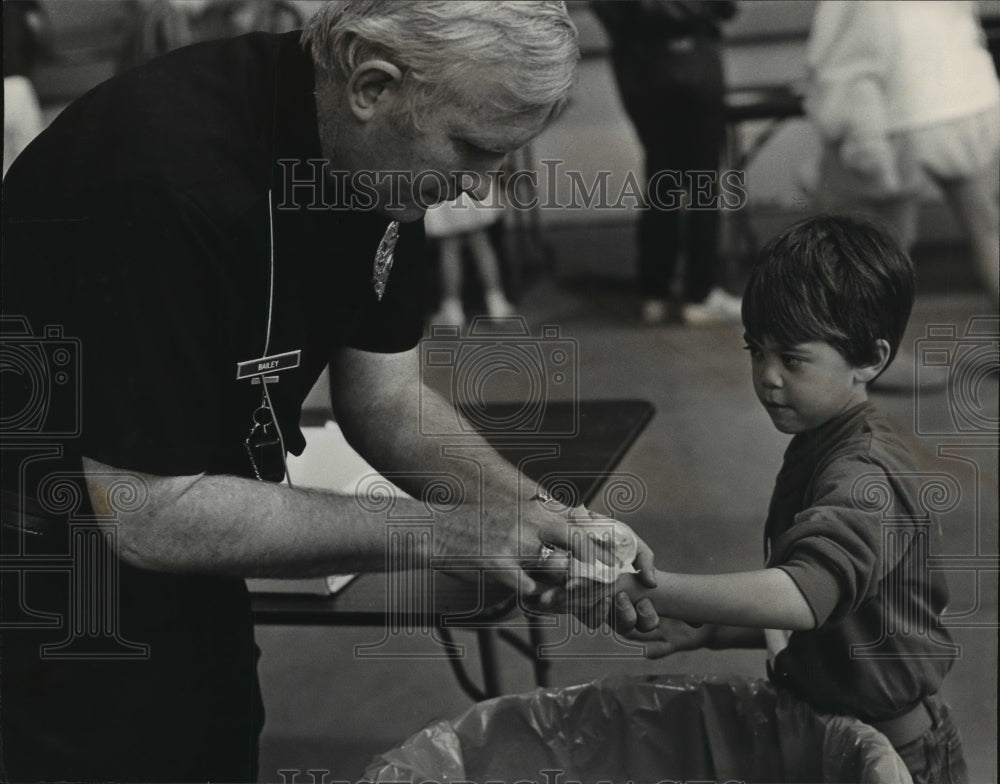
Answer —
626 547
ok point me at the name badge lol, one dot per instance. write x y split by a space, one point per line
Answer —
274 363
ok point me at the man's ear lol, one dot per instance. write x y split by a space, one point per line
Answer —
868 373
371 85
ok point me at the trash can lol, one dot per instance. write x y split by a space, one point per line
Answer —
660 728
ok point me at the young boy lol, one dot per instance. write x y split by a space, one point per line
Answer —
824 313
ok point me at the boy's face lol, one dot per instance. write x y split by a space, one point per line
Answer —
804 386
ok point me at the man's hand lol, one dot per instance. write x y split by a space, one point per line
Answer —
588 600
633 611
501 526
670 635
588 593
633 617
591 546
627 615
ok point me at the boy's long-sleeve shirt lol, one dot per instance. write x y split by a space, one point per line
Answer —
848 522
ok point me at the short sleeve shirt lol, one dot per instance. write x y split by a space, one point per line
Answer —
173 223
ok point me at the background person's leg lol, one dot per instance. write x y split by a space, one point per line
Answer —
488 267
646 76
975 205
450 311
962 156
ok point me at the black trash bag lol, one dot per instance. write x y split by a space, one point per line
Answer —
659 728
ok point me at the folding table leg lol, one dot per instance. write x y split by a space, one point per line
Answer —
541 665
455 654
488 659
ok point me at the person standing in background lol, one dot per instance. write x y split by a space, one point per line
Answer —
903 92
667 64
459 225
24 25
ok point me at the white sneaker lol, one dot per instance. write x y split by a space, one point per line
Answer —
719 307
497 305
653 311
450 314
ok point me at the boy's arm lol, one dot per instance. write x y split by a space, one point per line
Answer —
762 599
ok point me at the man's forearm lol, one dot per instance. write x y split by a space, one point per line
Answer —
236 526
231 525
412 436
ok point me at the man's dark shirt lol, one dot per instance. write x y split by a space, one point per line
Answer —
136 229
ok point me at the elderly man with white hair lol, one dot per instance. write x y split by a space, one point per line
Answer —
242 211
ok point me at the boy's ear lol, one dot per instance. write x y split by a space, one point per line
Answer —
371 86
868 373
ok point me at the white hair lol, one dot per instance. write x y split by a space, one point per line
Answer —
527 49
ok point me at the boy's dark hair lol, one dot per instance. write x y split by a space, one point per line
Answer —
835 278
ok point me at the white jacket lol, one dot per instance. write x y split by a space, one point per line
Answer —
877 67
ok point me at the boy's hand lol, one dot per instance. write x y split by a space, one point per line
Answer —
671 636
644 563
632 609
601 547
621 604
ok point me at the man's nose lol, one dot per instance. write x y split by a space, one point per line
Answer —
476 185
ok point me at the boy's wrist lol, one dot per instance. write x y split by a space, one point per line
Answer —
630 584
